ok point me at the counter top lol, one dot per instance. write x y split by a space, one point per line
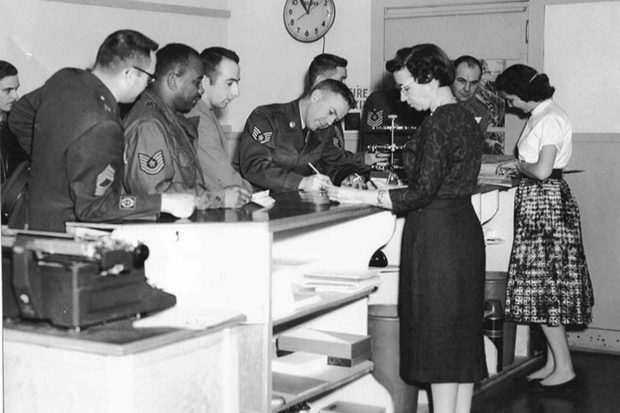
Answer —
291 211
117 338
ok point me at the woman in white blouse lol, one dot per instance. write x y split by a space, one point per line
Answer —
548 279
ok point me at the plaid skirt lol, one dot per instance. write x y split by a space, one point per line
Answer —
548 279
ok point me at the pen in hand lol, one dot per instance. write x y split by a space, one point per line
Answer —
316 171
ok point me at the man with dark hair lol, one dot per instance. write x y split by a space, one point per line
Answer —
468 72
280 141
77 146
221 86
329 66
11 153
160 152
326 66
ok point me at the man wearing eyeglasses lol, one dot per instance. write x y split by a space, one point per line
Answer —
76 143
160 141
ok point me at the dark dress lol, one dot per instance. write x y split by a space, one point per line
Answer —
441 289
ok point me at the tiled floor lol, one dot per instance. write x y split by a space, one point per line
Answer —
598 391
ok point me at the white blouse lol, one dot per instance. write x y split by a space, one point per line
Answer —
548 125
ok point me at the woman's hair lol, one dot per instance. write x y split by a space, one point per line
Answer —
525 82
425 62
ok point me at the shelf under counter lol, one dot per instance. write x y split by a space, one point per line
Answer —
329 301
318 377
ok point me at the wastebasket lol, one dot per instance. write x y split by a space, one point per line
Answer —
383 327
495 289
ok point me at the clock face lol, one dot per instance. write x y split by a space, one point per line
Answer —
308 20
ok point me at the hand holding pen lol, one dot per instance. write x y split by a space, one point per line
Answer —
316 182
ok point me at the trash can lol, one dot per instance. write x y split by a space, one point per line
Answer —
495 289
383 327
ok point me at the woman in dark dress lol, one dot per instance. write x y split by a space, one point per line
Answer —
548 279
441 284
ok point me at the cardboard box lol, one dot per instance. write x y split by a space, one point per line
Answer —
347 362
329 343
348 407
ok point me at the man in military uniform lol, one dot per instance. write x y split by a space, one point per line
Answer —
77 141
221 86
329 66
376 118
468 72
280 141
160 152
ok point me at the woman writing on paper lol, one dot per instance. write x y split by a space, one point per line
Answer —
441 283
548 279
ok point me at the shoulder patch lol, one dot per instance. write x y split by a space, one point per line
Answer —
104 180
151 164
260 136
375 118
127 202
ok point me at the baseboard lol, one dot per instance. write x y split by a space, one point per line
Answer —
595 339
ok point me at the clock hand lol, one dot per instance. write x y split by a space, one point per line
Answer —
312 5
305 6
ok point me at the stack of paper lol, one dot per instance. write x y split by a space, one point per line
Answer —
341 280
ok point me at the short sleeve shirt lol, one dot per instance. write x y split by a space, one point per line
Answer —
548 125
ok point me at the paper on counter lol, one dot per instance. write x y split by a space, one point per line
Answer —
262 198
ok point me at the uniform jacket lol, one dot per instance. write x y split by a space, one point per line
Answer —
160 152
11 153
274 151
217 170
72 128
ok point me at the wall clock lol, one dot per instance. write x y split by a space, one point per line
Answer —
308 20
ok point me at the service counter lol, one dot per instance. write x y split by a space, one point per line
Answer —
247 261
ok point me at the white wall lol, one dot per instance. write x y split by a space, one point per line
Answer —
582 64
41 36
273 64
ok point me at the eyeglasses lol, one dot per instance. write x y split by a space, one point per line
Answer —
151 76
405 87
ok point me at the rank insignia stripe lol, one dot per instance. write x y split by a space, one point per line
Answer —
261 137
127 202
151 164
104 180
375 118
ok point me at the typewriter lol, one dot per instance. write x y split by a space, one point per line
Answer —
76 283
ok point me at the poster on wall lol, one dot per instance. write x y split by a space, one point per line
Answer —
487 94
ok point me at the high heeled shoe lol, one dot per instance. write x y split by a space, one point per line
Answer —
537 386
